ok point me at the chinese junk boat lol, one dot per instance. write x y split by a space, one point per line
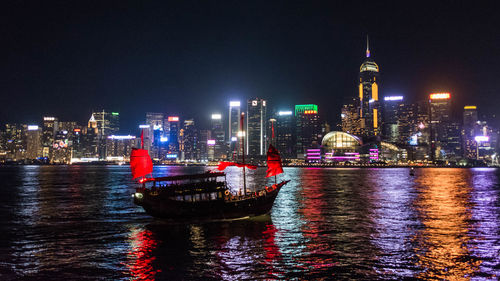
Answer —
204 196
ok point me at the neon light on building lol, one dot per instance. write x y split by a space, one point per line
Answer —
234 103
32 127
144 126
113 137
216 116
173 118
285 113
393 98
163 139
481 138
210 142
440 96
470 107
306 109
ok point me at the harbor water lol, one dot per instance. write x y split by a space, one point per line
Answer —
80 223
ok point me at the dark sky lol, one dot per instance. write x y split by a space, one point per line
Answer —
67 58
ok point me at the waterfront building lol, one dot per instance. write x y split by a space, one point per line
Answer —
107 123
391 116
440 119
235 148
470 130
217 134
256 128
49 128
308 128
15 141
341 147
188 141
118 147
369 105
172 127
284 132
33 142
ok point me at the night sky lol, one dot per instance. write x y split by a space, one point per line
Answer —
191 58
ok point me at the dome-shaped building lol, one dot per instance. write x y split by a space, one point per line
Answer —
341 146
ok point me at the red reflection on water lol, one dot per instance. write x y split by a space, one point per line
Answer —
141 260
273 254
320 255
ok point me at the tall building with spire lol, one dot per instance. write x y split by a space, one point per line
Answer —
369 105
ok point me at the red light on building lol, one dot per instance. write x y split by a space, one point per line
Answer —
77 130
439 96
173 118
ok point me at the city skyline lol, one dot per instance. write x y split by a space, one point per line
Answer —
288 55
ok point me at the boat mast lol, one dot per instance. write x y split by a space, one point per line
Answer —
243 155
273 140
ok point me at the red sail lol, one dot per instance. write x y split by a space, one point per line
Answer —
273 162
223 165
140 163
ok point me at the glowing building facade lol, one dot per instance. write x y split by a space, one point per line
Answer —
256 130
369 104
308 128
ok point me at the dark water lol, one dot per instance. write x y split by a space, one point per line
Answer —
76 222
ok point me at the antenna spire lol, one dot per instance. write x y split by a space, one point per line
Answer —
367 46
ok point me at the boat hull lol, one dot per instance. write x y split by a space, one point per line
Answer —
160 206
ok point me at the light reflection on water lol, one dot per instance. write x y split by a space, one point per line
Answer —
78 222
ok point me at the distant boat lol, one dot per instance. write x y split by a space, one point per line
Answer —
204 196
412 171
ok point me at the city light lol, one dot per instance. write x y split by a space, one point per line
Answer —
210 142
115 113
234 103
285 113
234 138
470 107
173 118
241 134
310 112
371 101
439 96
157 127
128 137
144 126
306 109
482 138
163 139
216 116
49 118
171 156
393 98
32 127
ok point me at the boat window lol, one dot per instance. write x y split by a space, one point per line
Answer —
213 195
179 198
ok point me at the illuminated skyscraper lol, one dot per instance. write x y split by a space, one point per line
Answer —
284 132
349 116
33 142
49 129
108 123
369 105
172 126
308 129
471 129
440 119
256 122
391 109
188 141
234 126
217 134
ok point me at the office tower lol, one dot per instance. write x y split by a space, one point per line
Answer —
369 106
284 131
118 147
391 112
349 117
188 141
217 134
33 142
470 130
205 149
235 148
440 119
256 127
49 128
108 123
15 146
308 129
172 126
